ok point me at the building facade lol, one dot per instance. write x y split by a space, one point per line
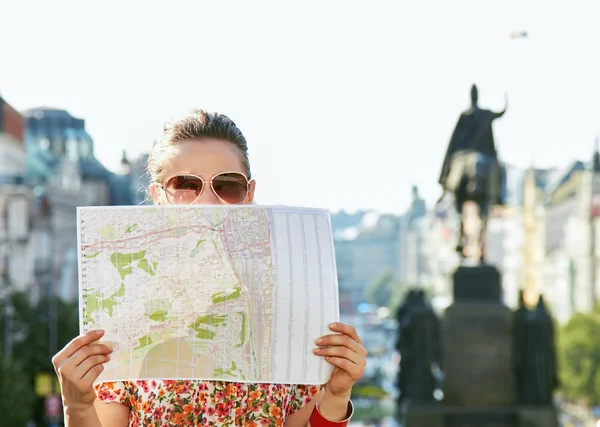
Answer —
572 243
16 266
367 247
415 247
61 150
62 168
139 179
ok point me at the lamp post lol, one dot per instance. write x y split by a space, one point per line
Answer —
46 271
6 288
47 263
9 313
52 294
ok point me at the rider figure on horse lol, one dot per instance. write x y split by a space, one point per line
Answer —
471 170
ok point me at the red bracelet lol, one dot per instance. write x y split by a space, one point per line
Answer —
318 420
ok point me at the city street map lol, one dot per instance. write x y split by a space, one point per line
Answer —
227 293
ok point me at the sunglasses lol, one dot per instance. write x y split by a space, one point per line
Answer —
229 187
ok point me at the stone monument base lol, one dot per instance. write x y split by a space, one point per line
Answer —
478 342
479 388
454 416
477 355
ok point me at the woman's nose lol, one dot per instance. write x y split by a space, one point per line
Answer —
208 197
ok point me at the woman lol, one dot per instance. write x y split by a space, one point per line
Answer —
203 159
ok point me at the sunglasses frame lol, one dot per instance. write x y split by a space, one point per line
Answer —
204 185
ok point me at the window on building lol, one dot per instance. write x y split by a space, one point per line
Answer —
43 249
85 149
44 144
68 275
57 147
71 148
18 218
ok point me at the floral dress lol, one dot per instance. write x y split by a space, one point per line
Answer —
206 403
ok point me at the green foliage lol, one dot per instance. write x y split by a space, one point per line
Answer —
579 356
16 393
33 322
386 291
369 391
32 347
375 411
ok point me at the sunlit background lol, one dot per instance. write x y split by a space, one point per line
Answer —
346 105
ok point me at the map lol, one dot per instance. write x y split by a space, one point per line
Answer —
228 293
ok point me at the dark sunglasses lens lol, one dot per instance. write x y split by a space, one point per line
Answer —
183 189
231 187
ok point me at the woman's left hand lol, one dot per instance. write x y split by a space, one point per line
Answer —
344 350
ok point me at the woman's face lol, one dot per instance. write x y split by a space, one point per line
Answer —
205 159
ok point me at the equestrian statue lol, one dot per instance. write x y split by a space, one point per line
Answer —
471 172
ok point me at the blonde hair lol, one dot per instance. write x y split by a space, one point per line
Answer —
198 124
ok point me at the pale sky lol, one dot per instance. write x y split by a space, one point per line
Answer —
345 104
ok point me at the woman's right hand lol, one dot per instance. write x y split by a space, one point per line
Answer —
77 366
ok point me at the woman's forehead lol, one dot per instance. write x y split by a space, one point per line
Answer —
204 157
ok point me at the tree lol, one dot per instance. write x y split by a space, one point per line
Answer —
387 291
380 291
579 356
16 393
31 325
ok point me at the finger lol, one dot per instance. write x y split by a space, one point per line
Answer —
70 364
341 340
91 376
72 368
88 351
346 329
341 352
354 371
75 345
90 363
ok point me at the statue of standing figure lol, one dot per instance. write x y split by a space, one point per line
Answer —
471 170
419 345
535 354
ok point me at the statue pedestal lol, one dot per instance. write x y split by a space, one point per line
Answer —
479 284
480 385
478 356
478 342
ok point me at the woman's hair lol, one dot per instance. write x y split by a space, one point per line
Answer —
198 124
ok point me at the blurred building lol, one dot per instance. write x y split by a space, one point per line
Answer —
570 282
367 246
16 266
138 177
62 168
370 246
546 239
415 256
60 149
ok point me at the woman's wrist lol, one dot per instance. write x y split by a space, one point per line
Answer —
86 416
335 407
